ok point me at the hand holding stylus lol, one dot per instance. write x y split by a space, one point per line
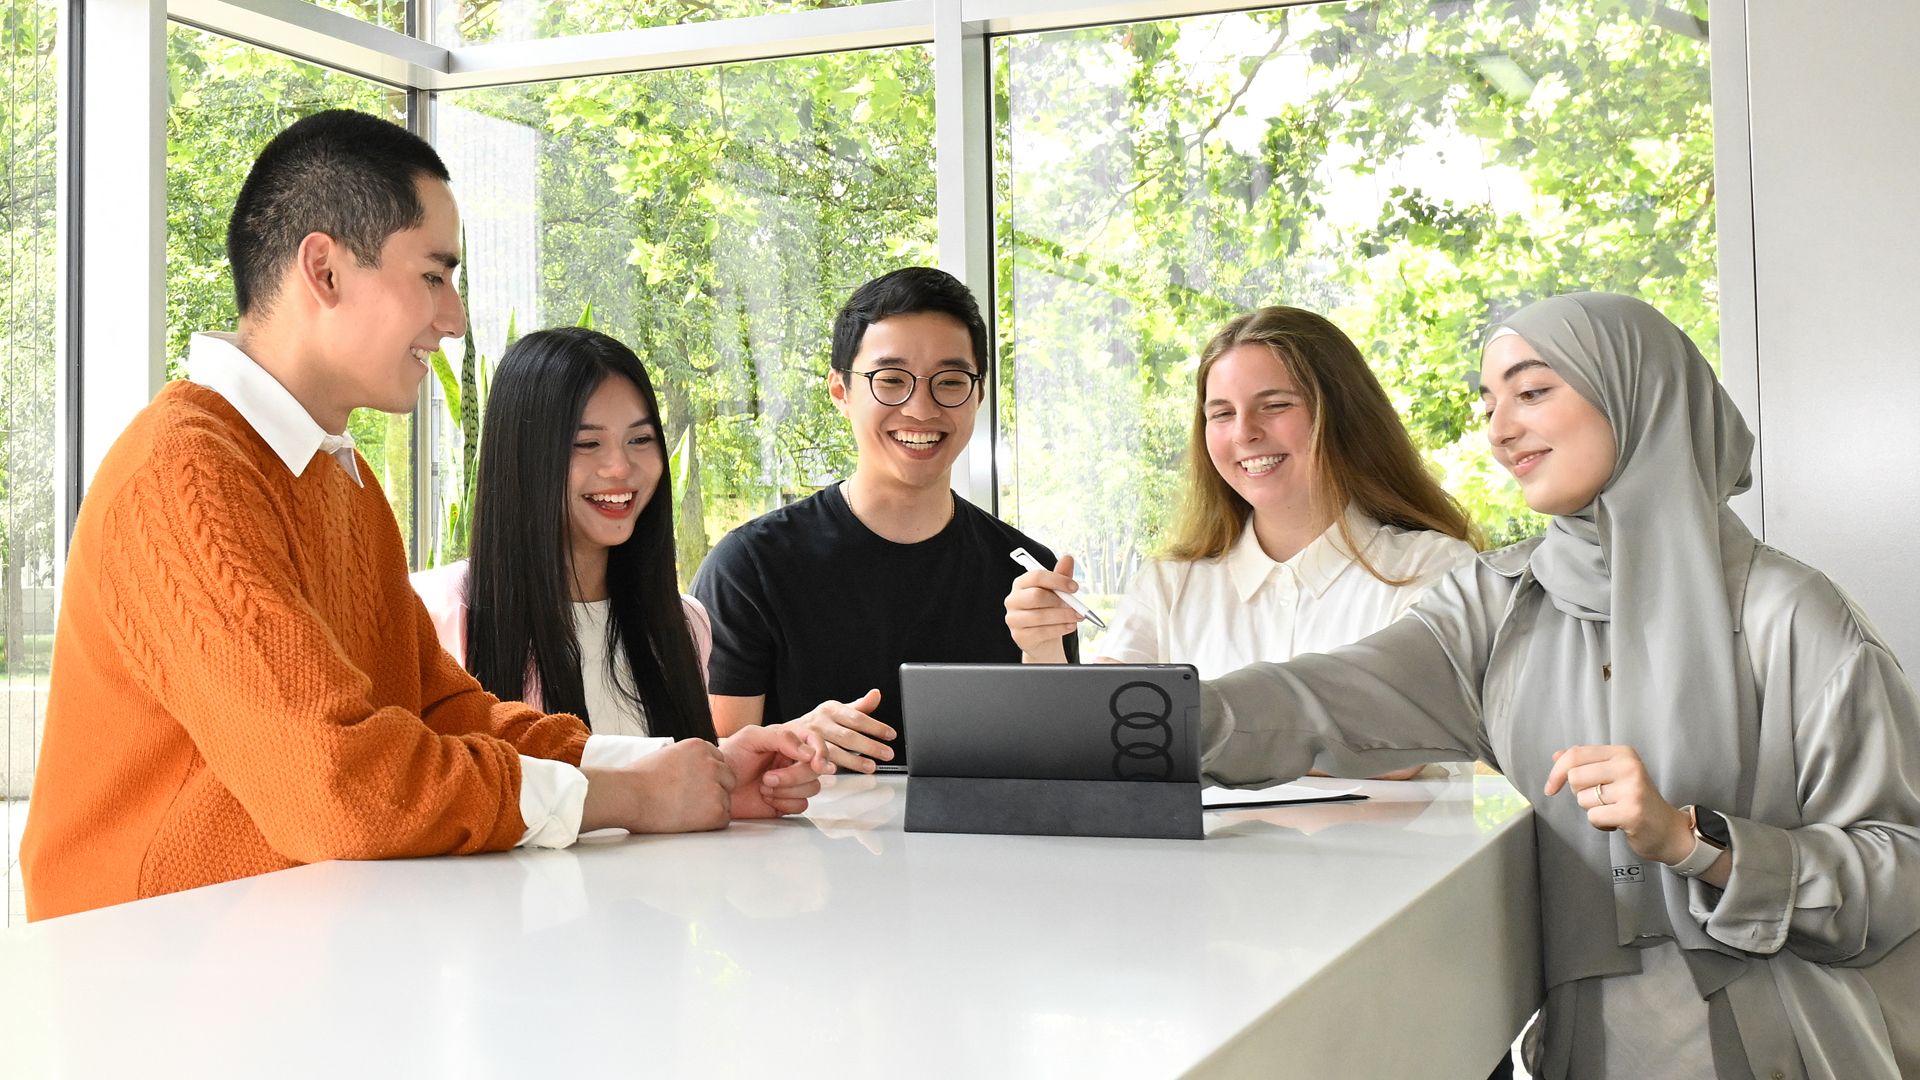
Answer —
1041 609
1065 593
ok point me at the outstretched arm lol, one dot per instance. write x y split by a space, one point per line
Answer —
1389 701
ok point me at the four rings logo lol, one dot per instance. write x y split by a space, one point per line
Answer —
1142 732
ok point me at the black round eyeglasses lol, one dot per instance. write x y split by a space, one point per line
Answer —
894 386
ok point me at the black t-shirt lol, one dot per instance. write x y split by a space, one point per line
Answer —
809 605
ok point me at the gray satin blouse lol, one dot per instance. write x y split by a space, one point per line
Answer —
1806 962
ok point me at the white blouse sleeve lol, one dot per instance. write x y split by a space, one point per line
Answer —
1429 556
1138 633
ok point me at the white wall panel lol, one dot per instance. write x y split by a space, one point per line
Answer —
1834 94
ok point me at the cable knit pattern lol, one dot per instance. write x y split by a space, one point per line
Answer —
244 680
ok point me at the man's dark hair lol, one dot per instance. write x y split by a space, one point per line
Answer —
345 174
908 291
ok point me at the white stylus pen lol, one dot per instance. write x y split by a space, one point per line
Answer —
1020 556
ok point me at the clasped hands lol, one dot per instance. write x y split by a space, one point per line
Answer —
760 771
694 785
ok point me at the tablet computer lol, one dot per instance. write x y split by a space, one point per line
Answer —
1137 722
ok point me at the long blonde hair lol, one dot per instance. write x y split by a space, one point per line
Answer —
1361 453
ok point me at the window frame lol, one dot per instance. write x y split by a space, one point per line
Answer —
103 398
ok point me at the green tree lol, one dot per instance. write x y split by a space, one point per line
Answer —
1157 178
715 219
29 233
469 21
1414 169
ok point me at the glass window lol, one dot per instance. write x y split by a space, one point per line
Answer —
714 220
30 51
226 100
472 22
391 14
1409 169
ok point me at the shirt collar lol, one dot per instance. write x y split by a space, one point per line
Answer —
216 362
1317 565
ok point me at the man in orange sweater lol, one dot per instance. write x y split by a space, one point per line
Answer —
244 679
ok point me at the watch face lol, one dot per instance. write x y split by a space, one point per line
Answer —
1713 827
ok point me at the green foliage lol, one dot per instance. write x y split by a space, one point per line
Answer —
469 21
1414 170
714 220
30 53
1156 179
391 14
464 395
464 404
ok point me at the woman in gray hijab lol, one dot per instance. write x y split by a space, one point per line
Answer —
1722 755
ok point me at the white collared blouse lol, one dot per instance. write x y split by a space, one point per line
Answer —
1242 607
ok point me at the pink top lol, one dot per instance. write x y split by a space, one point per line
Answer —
444 591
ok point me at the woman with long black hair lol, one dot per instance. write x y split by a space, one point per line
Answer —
570 599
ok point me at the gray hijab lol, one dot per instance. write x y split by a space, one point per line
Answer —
1661 559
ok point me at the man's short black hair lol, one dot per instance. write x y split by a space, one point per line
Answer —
345 174
908 291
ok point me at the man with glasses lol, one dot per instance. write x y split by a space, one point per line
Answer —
824 599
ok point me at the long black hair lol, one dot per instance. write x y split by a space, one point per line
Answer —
519 614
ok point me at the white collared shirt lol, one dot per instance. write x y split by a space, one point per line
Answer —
553 794
215 361
1224 613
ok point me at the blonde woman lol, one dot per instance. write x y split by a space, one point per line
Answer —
1309 519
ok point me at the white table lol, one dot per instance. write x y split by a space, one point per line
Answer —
1392 938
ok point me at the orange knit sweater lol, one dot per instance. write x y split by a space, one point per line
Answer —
243 680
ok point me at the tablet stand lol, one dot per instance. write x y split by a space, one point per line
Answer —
1136 808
